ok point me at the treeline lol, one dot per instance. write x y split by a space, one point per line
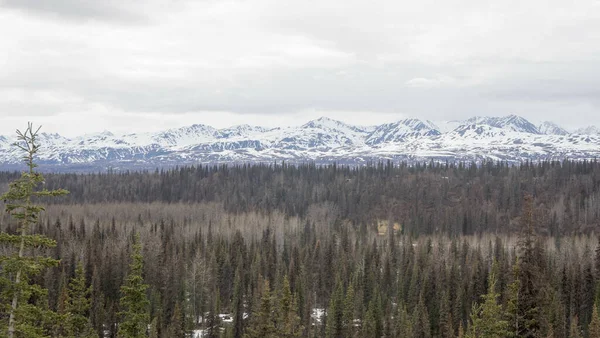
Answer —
284 251
272 276
426 199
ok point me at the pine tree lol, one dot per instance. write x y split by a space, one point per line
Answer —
213 321
421 324
594 327
238 306
525 313
348 313
78 305
289 321
25 304
574 330
335 313
177 325
446 327
154 328
373 323
134 302
487 319
403 325
262 323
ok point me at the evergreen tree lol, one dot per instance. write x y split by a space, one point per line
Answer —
154 328
348 313
213 321
373 322
134 302
525 293
574 330
487 319
78 324
24 303
289 321
421 323
335 312
446 327
594 327
238 306
262 323
403 324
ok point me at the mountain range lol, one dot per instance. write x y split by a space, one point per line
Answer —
509 138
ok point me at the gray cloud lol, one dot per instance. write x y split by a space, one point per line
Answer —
78 10
191 59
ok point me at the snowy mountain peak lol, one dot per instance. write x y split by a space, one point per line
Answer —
509 122
327 123
591 130
401 131
509 138
243 130
551 128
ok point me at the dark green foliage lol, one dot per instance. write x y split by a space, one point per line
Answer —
488 318
77 322
311 232
262 322
24 309
134 302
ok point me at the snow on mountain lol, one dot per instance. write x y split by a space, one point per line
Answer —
510 138
510 122
591 130
401 131
447 126
243 130
321 134
551 128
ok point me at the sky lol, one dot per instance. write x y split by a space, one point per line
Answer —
84 66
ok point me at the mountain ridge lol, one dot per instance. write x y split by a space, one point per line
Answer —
508 138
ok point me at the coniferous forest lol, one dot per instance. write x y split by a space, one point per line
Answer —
278 250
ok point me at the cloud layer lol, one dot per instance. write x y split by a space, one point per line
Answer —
80 66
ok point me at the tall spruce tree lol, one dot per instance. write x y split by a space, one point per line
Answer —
335 312
594 328
77 309
134 303
24 303
289 321
525 301
487 319
262 322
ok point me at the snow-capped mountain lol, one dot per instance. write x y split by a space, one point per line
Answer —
402 131
510 122
509 138
551 128
591 130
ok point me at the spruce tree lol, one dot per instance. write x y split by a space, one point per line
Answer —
421 323
402 322
289 321
574 330
594 327
262 321
177 325
77 309
25 304
348 313
487 319
335 313
134 303
238 305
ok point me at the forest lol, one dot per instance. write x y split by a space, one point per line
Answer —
278 250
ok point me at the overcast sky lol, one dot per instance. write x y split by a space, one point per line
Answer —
79 66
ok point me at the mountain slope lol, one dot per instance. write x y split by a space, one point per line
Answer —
551 128
509 138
